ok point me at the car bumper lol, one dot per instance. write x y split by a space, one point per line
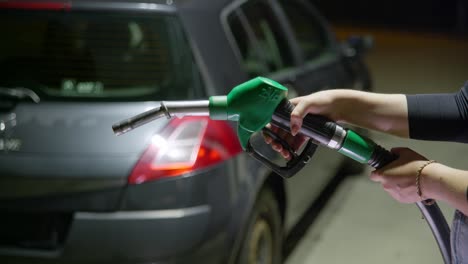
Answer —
126 236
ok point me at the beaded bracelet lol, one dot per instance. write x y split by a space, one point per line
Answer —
418 184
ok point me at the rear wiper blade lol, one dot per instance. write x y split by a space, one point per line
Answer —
19 93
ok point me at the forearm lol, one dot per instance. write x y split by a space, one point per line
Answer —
447 184
381 112
445 114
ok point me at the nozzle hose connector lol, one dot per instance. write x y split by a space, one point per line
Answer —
380 157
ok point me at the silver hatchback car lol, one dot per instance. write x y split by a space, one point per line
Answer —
72 192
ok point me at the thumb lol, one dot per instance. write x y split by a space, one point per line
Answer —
376 176
298 113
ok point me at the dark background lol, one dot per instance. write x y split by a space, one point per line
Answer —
445 16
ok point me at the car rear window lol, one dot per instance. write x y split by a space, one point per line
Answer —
96 56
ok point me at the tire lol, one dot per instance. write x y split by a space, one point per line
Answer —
263 239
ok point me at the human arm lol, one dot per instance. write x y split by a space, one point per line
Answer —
422 116
428 117
437 181
441 117
381 112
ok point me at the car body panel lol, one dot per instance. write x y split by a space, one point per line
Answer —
58 125
57 158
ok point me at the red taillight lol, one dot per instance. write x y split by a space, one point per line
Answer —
34 5
185 145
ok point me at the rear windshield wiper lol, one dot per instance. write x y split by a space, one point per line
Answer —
20 93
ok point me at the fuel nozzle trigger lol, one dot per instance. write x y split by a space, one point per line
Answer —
294 165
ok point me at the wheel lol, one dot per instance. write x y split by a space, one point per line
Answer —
263 239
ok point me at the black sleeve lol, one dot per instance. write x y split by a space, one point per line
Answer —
440 117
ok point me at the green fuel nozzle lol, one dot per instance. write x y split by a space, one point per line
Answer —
253 105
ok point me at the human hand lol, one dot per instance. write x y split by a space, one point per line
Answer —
316 103
398 178
319 103
295 142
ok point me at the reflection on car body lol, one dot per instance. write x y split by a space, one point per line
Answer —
72 192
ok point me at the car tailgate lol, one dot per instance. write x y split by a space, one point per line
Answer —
68 150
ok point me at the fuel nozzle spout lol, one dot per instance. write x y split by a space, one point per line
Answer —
166 109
